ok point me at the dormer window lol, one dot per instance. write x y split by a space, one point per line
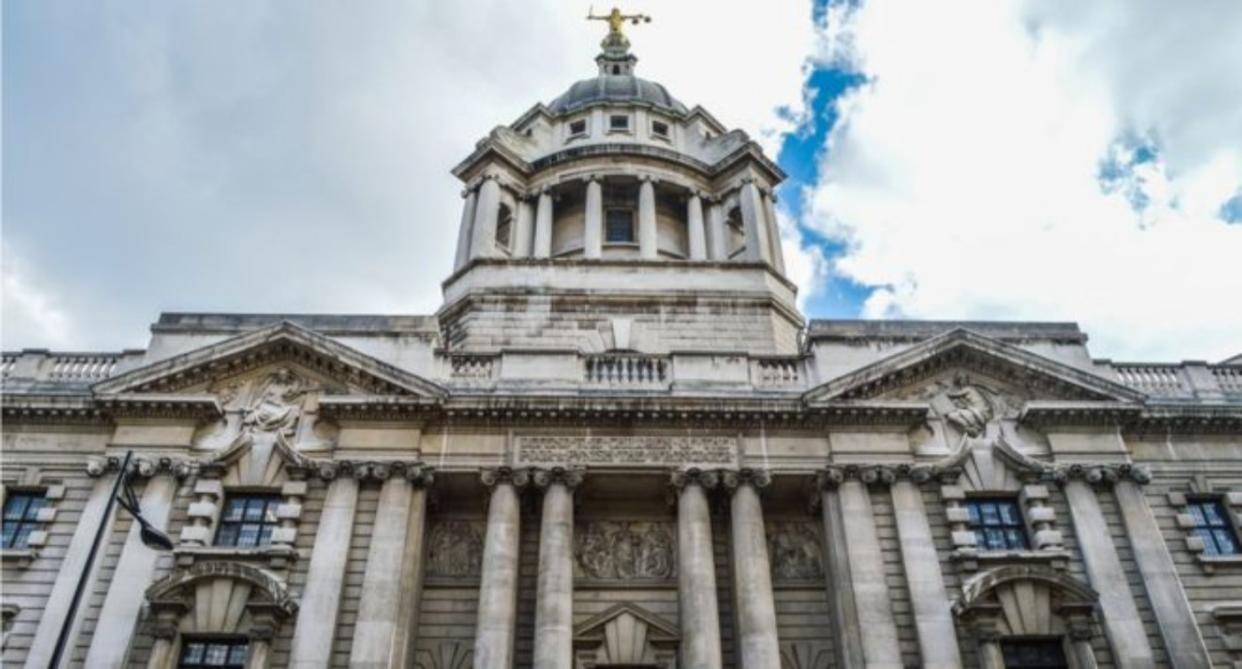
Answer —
619 123
577 128
659 129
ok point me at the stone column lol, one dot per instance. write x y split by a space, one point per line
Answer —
1121 617
1168 600
486 211
523 228
543 225
694 227
758 643
717 248
463 231
56 607
554 608
325 578
593 232
774 232
378 639
753 220
164 650
134 569
838 581
260 655
932 614
421 478
647 248
868 580
696 571
497 621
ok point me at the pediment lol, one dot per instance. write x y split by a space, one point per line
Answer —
339 368
1005 374
597 625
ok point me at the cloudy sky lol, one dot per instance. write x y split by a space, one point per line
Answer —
989 159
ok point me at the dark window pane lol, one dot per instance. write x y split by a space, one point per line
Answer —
997 523
619 122
577 127
235 509
248 521
1225 544
15 507
1033 654
619 225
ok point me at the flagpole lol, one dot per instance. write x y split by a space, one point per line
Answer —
66 627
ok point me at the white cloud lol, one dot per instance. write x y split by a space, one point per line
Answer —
27 313
965 174
281 156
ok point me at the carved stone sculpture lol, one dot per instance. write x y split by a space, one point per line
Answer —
794 550
454 549
623 550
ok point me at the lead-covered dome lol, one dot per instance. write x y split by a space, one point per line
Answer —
610 88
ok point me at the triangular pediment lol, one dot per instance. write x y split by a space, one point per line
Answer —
961 352
285 344
596 625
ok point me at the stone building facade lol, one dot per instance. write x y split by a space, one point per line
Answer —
619 444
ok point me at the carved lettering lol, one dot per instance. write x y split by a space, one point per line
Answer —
622 451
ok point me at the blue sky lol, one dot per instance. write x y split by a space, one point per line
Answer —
973 159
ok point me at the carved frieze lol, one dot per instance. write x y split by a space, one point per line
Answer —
624 550
625 451
455 549
794 550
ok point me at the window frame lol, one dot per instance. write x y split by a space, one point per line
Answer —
28 519
976 523
572 134
667 135
1051 641
629 124
608 227
231 641
274 501
1207 533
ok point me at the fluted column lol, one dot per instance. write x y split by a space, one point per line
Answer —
463 231
647 248
497 618
758 643
839 582
593 232
717 247
119 616
487 209
774 232
694 227
696 571
754 222
378 638
523 228
325 577
543 225
554 607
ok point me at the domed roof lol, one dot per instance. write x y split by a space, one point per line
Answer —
616 88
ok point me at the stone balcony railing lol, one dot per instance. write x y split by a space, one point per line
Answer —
626 370
69 368
1182 381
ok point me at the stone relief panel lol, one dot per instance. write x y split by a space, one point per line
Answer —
969 408
806 655
446 655
625 550
625 451
276 404
455 548
795 551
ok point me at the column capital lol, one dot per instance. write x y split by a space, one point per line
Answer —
647 178
592 178
757 478
834 475
704 478
1102 474
570 477
518 478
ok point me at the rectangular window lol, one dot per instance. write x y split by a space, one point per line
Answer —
21 517
1034 654
659 129
619 225
618 122
248 520
577 128
997 523
1213 527
217 653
